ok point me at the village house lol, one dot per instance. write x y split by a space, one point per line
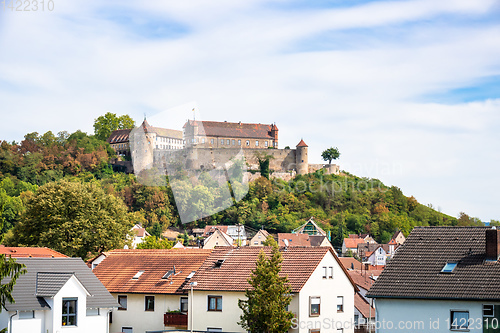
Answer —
148 285
217 238
376 257
442 279
57 295
30 252
293 239
217 134
139 233
322 290
259 238
399 237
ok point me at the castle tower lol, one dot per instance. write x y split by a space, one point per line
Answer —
274 134
301 158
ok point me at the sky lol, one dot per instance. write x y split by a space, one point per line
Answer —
409 90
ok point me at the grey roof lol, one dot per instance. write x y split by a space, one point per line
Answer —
415 270
45 276
49 284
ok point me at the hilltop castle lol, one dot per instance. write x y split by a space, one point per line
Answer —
210 143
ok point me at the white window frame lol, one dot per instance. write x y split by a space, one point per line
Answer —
314 300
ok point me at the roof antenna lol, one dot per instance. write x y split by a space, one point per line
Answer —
144 115
194 115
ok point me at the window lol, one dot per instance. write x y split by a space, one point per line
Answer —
69 311
122 300
256 143
214 303
127 330
26 314
212 141
255 243
314 330
340 303
203 140
137 275
459 320
227 142
221 141
314 306
184 304
233 142
265 143
248 142
449 267
340 330
239 142
92 312
149 303
330 276
324 272
488 310
356 319
214 329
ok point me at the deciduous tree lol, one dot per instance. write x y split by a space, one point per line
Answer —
73 218
105 125
330 154
10 271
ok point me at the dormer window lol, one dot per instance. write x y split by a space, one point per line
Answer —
136 276
449 267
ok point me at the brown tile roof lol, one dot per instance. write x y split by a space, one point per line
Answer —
293 239
415 270
26 252
210 229
233 130
119 136
352 243
348 262
116 271
363 306
363 278
301 144
316 240
298 264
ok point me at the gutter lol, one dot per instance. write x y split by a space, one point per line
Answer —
10 321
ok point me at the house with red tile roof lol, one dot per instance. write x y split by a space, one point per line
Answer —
139 233
149 285
259 238
217 238
30 252
322 290
351 244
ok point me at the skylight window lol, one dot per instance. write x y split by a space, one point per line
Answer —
136 276
449 267
190 275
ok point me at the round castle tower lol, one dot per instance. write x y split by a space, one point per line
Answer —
301 160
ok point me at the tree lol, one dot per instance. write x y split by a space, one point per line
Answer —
152 242
105 125
73 218
330 154
263 160
10 271
267 299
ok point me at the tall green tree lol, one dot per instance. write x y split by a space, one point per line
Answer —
105 125
330 154
152 242
77 219
264 310
10 271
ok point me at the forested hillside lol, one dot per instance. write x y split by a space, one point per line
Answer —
342 204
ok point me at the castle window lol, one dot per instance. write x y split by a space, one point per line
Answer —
227 142
211 141
265 143
233 142
221 141
248 142
239 142
256 143
203 140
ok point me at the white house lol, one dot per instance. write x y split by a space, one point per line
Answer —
139 233
58 295
148 286
323 292
218 238
259 238
441 279
377 257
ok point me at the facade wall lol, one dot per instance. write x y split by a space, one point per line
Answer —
328 290
429 315
140 320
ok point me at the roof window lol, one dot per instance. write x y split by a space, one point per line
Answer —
449 267
136 276
190 275
219 262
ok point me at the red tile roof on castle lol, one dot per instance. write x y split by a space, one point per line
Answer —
298 264
116 272
302 144
234 130
122 135
26 252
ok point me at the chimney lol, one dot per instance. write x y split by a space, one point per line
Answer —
492 244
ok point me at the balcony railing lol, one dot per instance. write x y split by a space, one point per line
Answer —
175 319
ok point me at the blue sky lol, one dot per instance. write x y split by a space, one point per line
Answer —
407 90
